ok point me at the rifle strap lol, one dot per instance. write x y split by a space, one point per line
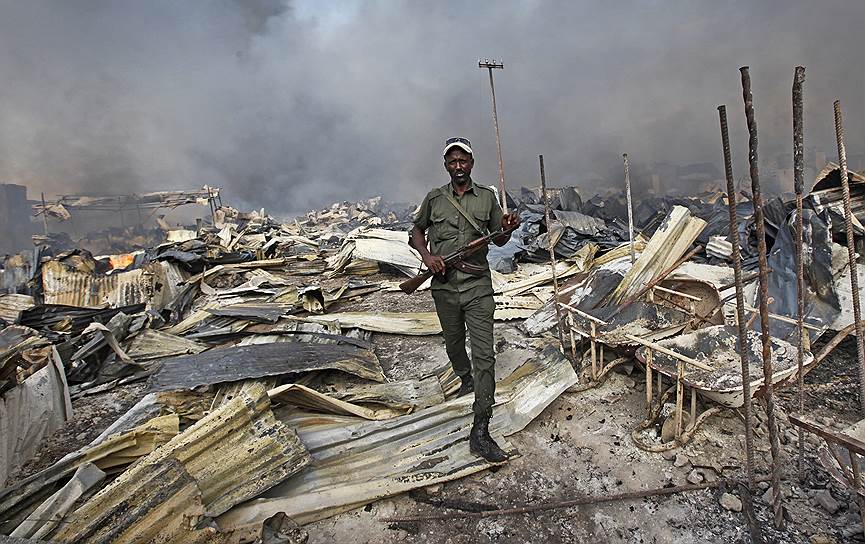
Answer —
462 211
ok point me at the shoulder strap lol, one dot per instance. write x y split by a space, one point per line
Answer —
462 210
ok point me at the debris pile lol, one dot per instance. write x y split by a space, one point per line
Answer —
259 342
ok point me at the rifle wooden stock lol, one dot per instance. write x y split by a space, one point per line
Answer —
411 285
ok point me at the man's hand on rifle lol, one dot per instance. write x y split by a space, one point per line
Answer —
435 263
510 221
417 240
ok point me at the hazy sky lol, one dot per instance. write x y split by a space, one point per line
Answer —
292 105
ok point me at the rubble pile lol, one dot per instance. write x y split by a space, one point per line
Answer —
266 402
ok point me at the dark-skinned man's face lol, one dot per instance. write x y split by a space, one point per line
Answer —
459 165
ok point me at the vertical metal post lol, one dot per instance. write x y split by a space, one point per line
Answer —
774 444
649 382
138 207
44 215
851 253
552 250
630 206
680 393
490 65
799 187
212 206
693 421
594 348
740 299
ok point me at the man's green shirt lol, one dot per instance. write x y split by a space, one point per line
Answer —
447 231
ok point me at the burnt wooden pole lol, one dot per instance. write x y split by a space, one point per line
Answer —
552 249
774 444
490 65
740 298
630 206
851 253
799 187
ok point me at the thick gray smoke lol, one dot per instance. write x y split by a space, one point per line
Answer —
295 105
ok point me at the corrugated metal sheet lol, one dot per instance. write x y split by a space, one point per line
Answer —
151 344
154 285
110 455
296 394
12 305
720 247
261 360
31 411
845 297
584 224
672 239
356 461
235 453
412 323
827 193
405 396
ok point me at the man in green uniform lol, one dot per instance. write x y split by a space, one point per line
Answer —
454 215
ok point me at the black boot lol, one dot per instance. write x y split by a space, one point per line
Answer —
482 444
467 386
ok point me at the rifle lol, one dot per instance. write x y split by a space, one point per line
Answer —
411 285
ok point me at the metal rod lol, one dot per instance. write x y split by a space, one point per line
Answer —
630 206
774 444
44 215
490 65
594 347
649 353
212 205
552 250
693 408
740 298
680 392
799 187
583 501
851 253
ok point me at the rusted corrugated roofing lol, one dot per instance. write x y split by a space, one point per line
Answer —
154 285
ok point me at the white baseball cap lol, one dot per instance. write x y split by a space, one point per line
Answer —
461 143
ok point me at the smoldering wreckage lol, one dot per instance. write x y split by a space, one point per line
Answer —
265 406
